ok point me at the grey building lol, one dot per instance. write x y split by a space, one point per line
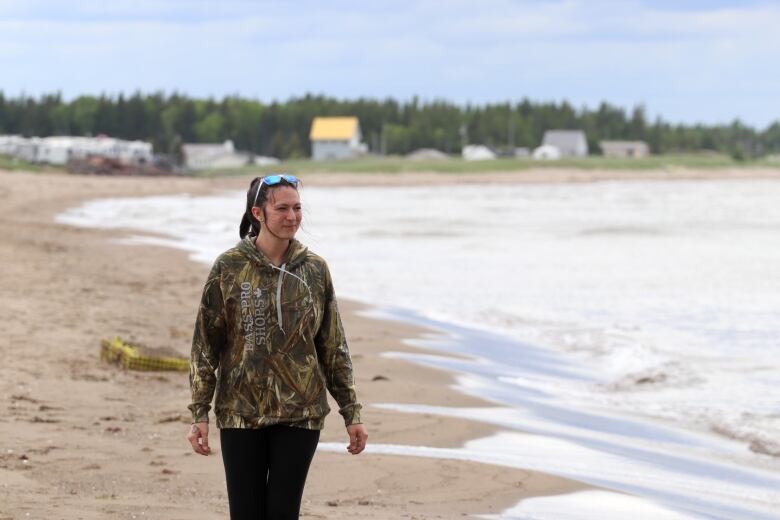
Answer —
624 148
203 156
571 143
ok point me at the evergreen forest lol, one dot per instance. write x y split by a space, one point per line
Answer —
389 126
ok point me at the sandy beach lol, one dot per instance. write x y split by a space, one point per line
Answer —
82 439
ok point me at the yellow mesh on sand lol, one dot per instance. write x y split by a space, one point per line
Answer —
115 350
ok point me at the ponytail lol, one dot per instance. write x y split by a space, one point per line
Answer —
249 224
246 224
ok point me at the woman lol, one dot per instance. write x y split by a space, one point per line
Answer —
268 320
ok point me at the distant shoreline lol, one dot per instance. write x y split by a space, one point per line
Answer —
670 164
349 173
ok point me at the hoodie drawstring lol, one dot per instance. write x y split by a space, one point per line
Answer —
279 298
282 272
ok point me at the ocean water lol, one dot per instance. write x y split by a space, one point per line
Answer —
636 323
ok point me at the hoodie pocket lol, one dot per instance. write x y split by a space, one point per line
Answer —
235 392
299 376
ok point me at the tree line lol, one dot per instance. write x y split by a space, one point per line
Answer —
389 126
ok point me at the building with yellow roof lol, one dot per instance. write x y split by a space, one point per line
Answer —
336 138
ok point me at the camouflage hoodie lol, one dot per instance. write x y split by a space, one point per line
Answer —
269 340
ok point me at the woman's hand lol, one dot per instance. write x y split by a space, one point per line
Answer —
357 438
199 438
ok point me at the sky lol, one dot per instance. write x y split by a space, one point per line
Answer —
690 61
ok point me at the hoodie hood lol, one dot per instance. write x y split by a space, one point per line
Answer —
296 253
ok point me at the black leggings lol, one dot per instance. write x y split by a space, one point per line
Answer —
266 470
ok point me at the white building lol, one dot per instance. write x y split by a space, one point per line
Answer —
204 156
60 149
9 144
624 149
547 152
264 160
570 143
427 154
19 147
477 152
336 138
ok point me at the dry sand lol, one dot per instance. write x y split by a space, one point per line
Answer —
80 439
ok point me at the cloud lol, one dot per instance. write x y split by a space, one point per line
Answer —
687 60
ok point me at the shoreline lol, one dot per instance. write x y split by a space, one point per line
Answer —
547 175
81 425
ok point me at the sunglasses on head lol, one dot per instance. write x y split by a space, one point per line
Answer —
272 180
276 179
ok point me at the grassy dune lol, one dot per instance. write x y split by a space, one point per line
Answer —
10 164
457 165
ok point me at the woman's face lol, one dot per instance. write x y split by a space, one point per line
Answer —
281 212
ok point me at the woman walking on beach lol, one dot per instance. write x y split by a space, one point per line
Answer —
268 320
